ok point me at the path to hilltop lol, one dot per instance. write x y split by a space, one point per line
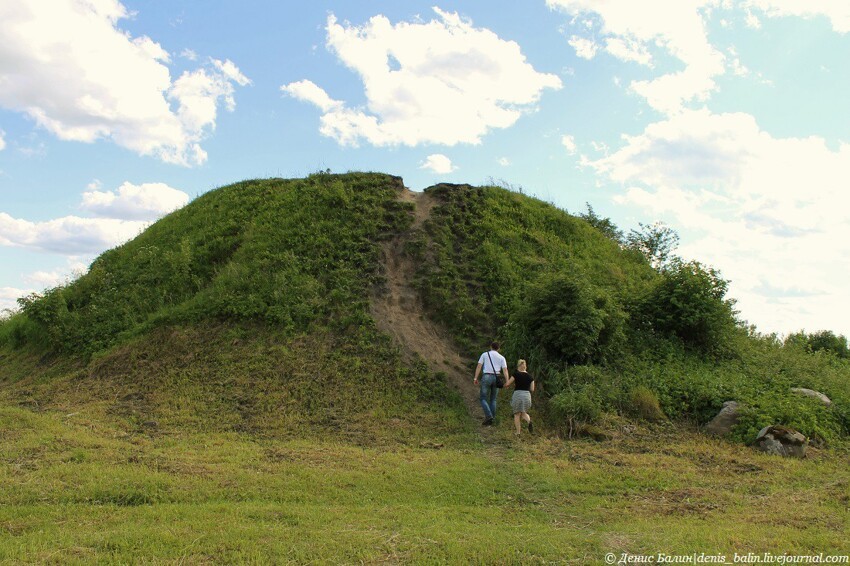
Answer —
398 311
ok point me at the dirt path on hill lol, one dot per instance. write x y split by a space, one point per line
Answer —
398 311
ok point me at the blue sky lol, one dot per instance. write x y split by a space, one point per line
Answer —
727 120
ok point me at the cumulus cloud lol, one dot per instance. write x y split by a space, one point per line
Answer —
569 142
438 163
147 201
772 213
123 214
67 235
633 29
504 161
443 81
2 140
68 66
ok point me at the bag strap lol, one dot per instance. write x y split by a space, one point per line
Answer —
491 364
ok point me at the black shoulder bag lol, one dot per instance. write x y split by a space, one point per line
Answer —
500 377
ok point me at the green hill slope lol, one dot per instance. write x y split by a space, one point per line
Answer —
250 309
246 310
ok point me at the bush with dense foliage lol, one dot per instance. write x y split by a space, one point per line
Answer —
688 301
570 319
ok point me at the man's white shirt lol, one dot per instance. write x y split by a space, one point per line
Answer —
499 362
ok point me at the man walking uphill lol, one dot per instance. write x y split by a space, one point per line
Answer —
492 363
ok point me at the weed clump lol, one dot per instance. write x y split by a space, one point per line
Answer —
643 404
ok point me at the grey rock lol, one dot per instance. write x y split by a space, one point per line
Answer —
812 393
722 424
781 441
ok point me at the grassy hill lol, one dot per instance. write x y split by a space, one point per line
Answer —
280 371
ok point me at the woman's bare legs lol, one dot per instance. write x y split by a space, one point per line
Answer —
527 418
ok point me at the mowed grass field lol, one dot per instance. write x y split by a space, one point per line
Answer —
84 488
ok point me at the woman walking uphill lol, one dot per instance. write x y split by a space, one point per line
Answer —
521 400
493 363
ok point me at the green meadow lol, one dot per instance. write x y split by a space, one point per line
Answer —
76 489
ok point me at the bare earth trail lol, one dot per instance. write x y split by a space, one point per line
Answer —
398 311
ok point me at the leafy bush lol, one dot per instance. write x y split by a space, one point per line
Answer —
570 319
823 341
581 394
605 225
689 302
654 242
808 416
581 405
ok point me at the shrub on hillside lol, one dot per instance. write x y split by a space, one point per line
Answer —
47 315
823 341
581 394
605 225
654 242
689 302
577 405
569 319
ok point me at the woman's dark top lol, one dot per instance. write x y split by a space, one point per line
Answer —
522 381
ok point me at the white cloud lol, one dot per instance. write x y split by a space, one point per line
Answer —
189 54
631 29
147 201
504 161
442 81
68 66
67 235
772 213
198 94
438 163
584 48
124 214
308 91
2 140
569 142
838 11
